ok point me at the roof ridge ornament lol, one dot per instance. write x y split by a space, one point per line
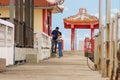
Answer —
52 1
82 15
82 10
60 2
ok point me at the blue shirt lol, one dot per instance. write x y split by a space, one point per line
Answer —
55 34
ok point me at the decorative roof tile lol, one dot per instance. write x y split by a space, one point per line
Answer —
39 3
56 5
82 17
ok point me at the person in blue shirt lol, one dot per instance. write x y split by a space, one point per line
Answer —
54 41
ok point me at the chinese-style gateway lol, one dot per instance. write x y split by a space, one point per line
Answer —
82 20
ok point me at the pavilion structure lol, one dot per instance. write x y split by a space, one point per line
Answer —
82 20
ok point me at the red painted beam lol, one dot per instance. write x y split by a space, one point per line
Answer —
79 26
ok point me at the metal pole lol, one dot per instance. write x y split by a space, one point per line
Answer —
11 10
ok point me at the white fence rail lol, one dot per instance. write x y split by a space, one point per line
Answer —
42 43
42 47
7 41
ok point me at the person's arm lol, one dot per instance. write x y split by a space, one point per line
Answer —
58 39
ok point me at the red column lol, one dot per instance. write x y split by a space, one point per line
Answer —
87 46
72 37
50 22
92 33
92 40
44 20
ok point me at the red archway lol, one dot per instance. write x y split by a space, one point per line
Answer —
82 20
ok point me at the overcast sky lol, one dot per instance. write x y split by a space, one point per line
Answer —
71 8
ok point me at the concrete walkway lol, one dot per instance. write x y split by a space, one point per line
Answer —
69 67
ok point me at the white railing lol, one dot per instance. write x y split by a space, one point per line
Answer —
42 47
42 43
7 41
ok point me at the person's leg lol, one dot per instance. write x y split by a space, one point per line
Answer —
60 49
55 45
61 53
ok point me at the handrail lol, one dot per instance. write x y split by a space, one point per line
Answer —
6 23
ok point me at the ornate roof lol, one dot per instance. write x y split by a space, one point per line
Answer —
81 17
56 5
42 3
